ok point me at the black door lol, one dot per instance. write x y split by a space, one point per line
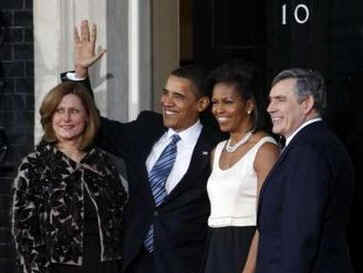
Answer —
326 35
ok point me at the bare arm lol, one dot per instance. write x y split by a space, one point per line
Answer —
266 157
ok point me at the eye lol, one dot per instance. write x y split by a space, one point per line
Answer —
281 99
179 96
59 110
228 101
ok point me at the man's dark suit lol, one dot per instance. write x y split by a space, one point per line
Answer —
180 223
304 206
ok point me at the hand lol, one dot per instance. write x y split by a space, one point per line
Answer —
84 49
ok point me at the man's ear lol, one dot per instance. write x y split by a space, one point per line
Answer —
203 103
308 104
250 106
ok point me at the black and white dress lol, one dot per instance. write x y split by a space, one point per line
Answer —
233 196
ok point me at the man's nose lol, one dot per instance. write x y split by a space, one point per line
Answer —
270 107
167 100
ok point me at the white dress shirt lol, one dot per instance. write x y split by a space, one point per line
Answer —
185 147
306 123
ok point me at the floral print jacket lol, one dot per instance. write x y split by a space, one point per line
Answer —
48 207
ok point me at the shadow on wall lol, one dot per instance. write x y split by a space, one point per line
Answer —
3 139
3 145
345 117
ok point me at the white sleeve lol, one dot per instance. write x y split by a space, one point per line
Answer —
73 77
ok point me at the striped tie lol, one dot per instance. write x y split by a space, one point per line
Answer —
157 178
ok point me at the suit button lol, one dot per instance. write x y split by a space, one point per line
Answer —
156 213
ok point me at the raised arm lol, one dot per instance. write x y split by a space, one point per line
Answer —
85 49
114 136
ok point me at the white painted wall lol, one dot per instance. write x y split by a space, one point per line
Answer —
166 53
141 37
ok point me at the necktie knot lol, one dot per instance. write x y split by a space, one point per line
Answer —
175 139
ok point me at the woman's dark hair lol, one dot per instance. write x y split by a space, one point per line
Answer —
247 80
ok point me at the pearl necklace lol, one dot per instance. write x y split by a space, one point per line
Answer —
230 148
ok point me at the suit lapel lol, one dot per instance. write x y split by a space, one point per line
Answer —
274 169
142 155
200 158
298 138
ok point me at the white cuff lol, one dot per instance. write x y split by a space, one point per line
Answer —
73 77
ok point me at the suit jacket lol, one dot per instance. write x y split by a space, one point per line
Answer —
180 222
304 206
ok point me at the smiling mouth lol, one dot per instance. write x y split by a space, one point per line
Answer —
276 119
169 113
67 127
222 119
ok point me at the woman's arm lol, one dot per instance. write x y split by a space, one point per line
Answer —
266 157
26 211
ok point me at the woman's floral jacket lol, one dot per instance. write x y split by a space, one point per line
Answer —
48 207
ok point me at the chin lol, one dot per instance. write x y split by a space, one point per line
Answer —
168 124
275 129
68 138
224 128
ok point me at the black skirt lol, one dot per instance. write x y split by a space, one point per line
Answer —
228 249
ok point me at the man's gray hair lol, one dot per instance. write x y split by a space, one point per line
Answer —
308 82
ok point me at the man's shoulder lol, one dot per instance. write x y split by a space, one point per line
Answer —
150 116
212 135
318 133
318 139
150 124
312 133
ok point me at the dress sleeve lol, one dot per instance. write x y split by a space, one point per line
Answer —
26 214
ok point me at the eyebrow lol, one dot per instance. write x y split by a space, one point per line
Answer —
175 91
277 97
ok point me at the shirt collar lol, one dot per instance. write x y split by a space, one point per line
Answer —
306 123
189 135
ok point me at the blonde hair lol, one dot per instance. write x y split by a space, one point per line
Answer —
53 99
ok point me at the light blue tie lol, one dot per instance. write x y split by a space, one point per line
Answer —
157 178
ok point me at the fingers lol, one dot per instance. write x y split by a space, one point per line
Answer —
98 56
93 34
76 38
100 52
85 33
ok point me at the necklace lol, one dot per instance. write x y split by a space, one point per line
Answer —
230 148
